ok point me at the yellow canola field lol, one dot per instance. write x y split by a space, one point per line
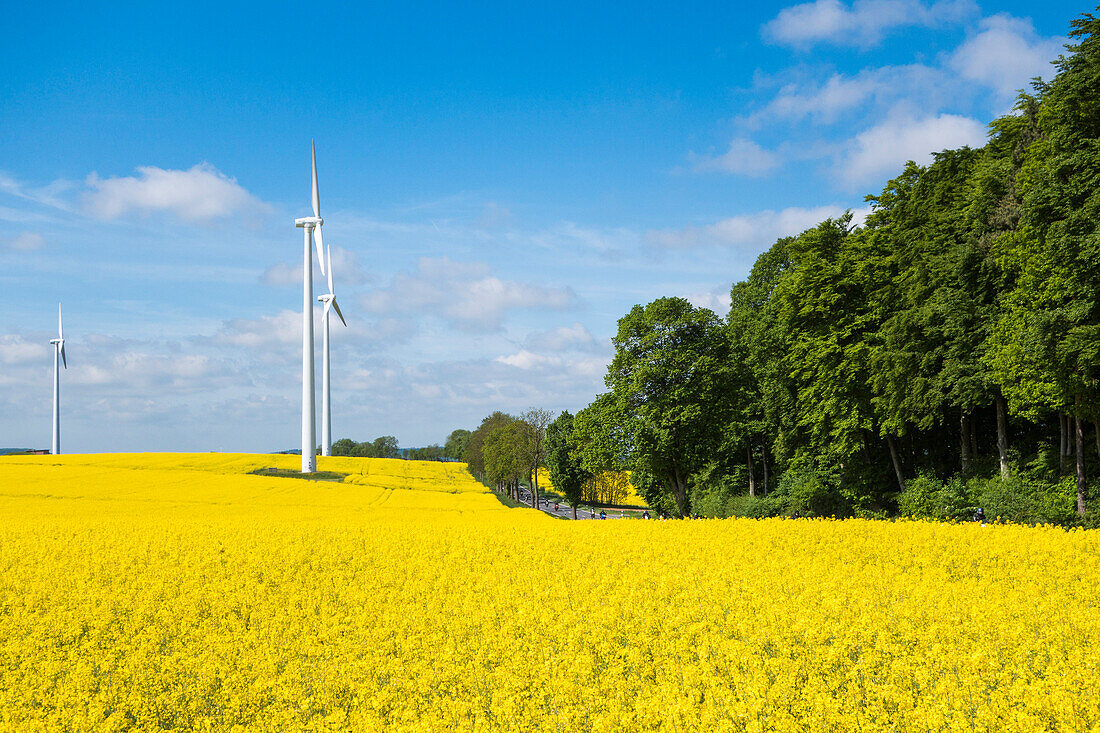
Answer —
176 592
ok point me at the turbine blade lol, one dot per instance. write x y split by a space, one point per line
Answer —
337 307
319 243
316 196
328 307
63 360
60 333
329 253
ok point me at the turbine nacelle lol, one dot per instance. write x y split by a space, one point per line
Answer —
59 342
330 302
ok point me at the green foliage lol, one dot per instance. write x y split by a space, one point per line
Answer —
1021 499
382 447
507 452
567 474
929 498
757 507
455 447
812 489
668 382
473 454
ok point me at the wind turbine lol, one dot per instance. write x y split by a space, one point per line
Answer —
58 350
311 227
326 395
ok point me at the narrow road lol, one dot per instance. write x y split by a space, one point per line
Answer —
564 511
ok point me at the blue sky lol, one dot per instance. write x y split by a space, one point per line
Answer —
501 182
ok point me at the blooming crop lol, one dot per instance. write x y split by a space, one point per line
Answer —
166 591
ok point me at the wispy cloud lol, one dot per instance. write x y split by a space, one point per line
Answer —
345 267
803 95
465 295
199 194
744 157
563 338
864 23
25 241
53 195
15 349
750 231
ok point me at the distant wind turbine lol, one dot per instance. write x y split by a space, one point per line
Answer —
329 300
58 351
311 226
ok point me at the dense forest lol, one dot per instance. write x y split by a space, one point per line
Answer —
943 355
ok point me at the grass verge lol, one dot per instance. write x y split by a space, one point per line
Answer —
290 473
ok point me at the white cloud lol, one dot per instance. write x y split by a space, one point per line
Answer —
715 300
751 230
138 369
826 101
1006 54
283 328
201 193
345 268
25 241
465 295
744 157
608 243
16 350
563 338
525 359
862 24
881 151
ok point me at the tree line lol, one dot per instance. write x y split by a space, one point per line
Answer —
386 446
943 355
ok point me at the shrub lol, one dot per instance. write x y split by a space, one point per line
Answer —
812 489
756 507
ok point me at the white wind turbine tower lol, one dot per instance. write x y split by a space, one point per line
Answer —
329 300
311 226
58 351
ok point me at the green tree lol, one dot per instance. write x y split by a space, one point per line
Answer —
566 472
344 447
507 454
455 447
1055 305
668 379
473 454
385 446
536 421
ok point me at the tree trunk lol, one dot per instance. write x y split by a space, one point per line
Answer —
973 440
574 511
764 463
1002 435
964 441
752 473
1062 443
1079 434
535 485
896 461
679 492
